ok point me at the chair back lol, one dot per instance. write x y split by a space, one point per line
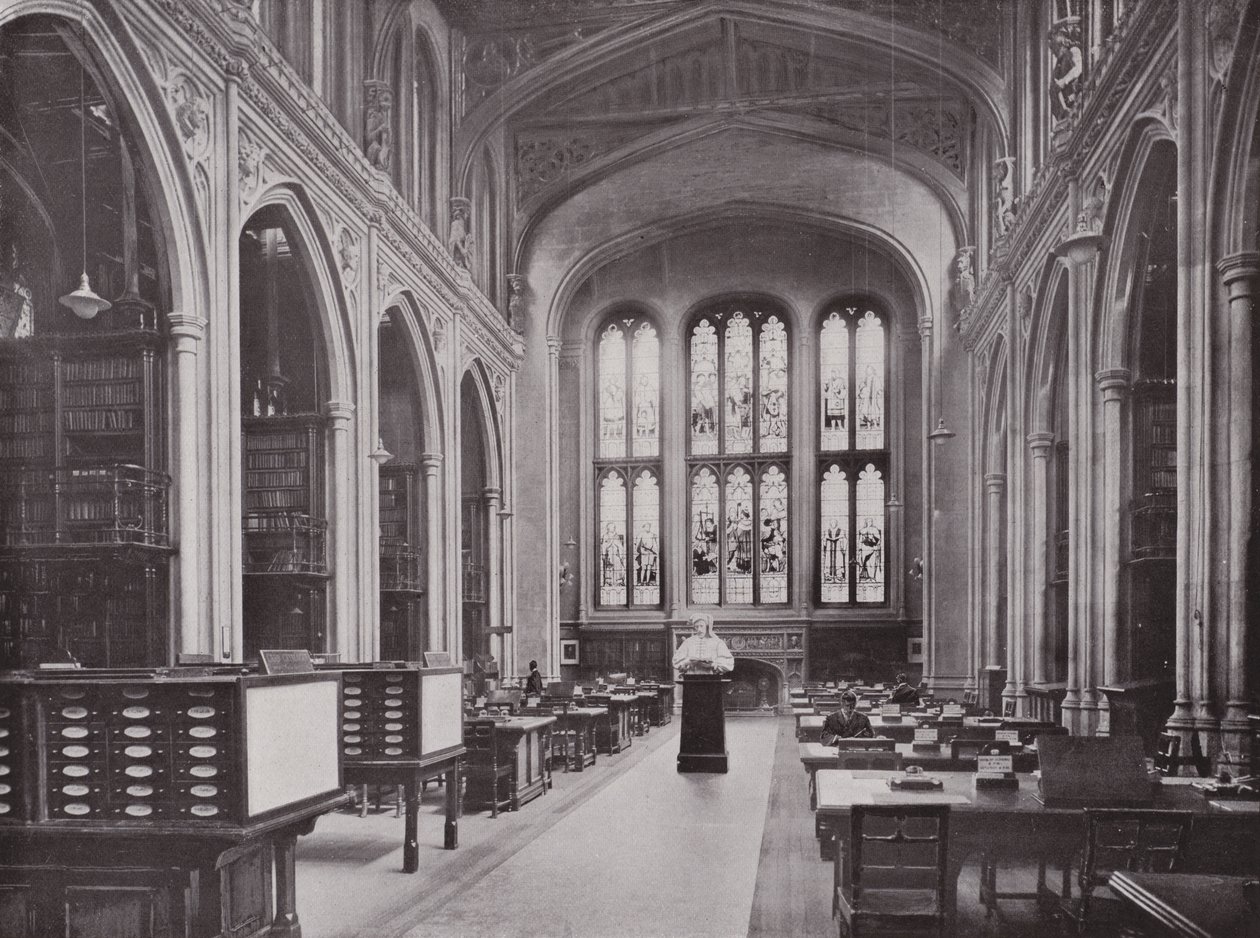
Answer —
1138 840
869 760
867 744
1008 707
901 847
479 740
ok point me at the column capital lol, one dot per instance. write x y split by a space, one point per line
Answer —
430 462
339 412
1080 247
491 493
554 344
1239 272
1040 443
1113 382
995 481
186 326
925 328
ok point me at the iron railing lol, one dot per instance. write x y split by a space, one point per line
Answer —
285 542
72 506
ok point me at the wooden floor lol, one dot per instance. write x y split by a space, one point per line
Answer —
626 848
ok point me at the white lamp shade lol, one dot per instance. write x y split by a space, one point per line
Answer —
83 301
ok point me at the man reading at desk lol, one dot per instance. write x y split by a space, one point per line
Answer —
903 693
703 652
846 723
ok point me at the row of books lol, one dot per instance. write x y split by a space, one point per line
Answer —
106 393
101 369
102 419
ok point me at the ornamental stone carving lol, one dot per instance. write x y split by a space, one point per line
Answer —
516 302
1004 195
192 115
249 158
377 131
1068 67
1223 19
460 241
962 292
348 250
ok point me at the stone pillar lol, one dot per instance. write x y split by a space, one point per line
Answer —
1113 383
341 536
931 405
494 560
1239 274
431 464
187 332
994 498
1079 250
551 539
1040 445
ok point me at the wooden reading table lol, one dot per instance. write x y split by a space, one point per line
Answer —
582 723
612 734
523 743
1188 905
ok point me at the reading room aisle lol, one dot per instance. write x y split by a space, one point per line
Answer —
629 847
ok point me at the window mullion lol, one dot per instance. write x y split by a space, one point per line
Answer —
756 534
629 594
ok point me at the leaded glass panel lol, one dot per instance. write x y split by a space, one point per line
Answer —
612 540
834 523
773 533
833 359
739 536
612 392
647 543
870 536
774 398
738 384
704 389
869 368
704 537
647 382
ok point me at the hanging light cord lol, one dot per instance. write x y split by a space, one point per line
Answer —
83 164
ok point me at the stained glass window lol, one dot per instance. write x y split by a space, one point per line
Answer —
647 381
704 537
627 471
870 536
647 544
612 392
773 533
774 397
834 524
612 540
739 537
739 378
853 431
869 368
704 389
833 357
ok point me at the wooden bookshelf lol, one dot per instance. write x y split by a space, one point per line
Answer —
400 559
84 503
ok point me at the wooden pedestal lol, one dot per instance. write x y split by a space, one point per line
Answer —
703 743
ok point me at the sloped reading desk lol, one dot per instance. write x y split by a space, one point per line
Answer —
161 803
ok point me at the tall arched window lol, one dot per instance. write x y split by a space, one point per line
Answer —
738 379
853 450
627 462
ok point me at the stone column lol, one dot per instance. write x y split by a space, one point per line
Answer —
1114 384
341 537
494 559
1040 445
187 331
431 464
1239 274
995 495
1079 250
931 405
551 542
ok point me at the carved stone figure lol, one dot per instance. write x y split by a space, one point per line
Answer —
460 241
377 135
516 302
1065 46
963 290
1004 196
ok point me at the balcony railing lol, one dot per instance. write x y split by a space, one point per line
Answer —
1153 526
285 542
400 567
107 505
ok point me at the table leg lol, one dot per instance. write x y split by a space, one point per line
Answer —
411 842
451 836
286 924
363 805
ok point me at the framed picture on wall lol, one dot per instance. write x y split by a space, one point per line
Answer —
914 651
568 651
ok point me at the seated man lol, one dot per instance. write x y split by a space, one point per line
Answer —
903 693
846 723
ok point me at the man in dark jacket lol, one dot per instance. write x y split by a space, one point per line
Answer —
903 693
846 723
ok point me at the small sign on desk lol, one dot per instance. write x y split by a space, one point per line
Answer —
990 765
286 661
1010 736
926 738
890 711
437 659
952 710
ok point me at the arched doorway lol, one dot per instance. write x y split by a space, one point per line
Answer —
755 685
479 501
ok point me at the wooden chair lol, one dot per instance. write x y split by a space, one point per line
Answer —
1168 759
869 760
1134 839
891 875
489 780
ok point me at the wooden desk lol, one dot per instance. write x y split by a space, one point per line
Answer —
582 722
1013 826
613 733
809 728
1189 905
523 743
661 706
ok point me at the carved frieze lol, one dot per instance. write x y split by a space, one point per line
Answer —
378 143
937 130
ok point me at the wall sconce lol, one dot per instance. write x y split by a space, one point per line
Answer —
941 433
380 455
916 568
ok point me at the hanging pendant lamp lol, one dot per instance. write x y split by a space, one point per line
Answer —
83 301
